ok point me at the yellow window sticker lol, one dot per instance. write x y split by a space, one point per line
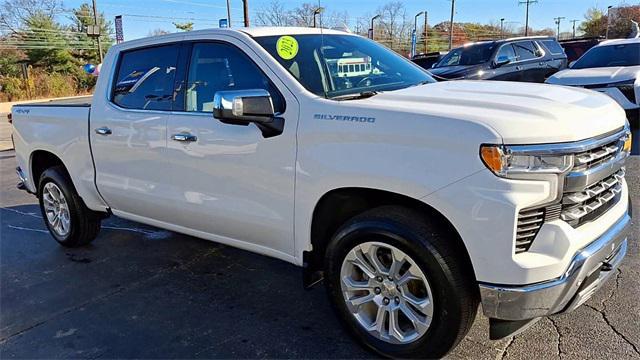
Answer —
287 47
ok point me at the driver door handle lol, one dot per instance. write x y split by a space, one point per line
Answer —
103 131
184 137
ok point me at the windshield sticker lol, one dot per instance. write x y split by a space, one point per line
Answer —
287 47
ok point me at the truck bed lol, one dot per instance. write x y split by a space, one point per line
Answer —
81 101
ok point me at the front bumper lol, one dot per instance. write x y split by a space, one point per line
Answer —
588 270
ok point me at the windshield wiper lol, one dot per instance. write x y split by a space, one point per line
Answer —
356 96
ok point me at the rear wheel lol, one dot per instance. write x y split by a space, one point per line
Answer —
68 219
400 285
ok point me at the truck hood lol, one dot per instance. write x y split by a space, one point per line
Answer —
521 113
595 76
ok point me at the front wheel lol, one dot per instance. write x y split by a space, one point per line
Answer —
400 285
68 219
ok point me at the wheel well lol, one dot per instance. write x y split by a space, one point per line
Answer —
338 206
42 160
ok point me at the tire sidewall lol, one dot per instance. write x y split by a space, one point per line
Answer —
55 176
446 309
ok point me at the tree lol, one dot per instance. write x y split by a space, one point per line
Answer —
86 49
274 14
52 52
14 14
188 26
620 24
303 15
156 32
394 23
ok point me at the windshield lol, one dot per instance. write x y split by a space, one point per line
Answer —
610 55
468 55
339 65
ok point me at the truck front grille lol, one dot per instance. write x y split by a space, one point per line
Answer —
529 223
594 157
629 92
592 202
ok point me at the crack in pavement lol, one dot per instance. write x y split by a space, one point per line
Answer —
503 352
604 316
133 285
557 329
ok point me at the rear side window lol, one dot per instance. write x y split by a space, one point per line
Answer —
553 47
525 50
145 78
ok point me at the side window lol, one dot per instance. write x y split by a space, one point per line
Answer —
553 47
145 78
218 67
525 50
506 51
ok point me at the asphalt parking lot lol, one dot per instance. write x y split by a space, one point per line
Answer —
141 292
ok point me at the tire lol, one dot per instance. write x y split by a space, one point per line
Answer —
448 284
76 225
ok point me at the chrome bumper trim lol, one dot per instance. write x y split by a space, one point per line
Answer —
588 270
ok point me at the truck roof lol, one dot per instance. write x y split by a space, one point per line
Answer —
619 42
275 31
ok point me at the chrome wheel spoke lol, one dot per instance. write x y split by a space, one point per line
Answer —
56 209
386 292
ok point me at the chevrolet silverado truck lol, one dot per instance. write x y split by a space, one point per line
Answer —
414 201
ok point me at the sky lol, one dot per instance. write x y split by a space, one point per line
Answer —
142 16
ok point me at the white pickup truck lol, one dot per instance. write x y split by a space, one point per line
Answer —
414 200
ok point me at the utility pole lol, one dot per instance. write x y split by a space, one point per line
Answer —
426 32
574 27
245 5
558 20
606 34
526 22
453 10
228 13
502 28
95 22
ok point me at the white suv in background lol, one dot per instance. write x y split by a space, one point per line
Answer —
611 67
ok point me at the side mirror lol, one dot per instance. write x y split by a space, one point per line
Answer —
502 61
433 66
571 64
242 107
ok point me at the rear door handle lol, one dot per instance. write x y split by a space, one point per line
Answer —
103 131
184 137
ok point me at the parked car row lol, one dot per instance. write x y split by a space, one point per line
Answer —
531 59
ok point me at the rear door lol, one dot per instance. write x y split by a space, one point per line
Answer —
129 136
555 58
530 61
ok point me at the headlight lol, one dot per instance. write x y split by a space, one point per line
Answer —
627 143
629 82
506 163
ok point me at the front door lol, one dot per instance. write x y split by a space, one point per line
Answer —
128 134
229 180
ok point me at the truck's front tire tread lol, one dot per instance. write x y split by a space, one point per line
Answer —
432 248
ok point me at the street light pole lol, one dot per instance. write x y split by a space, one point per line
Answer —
502 28
426 31
526 23
373 18
228 13
606 34
316 11
415 31
453 10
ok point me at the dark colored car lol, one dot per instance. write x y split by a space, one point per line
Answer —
530 59
427 60
575 48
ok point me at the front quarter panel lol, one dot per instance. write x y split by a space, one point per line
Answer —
356 144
